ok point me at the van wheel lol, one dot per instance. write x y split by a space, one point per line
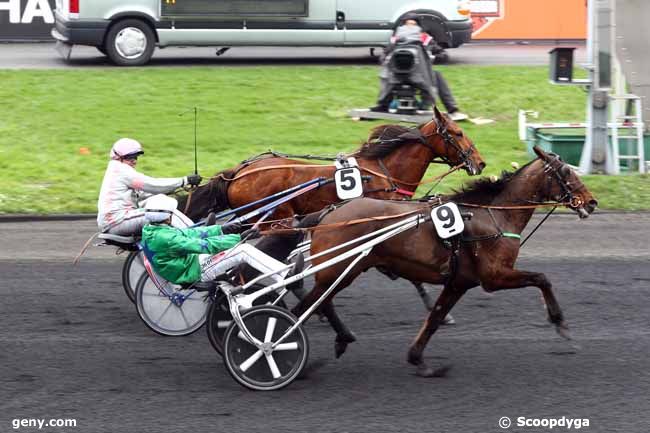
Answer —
442 58
433 25
130 43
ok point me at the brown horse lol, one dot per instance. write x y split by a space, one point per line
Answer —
486 250
395 156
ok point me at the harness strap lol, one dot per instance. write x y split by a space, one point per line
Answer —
187 204
387 174
499 234
333 226
454 260
404 192
270 167
308 156
376 173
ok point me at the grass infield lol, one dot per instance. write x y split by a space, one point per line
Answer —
57 127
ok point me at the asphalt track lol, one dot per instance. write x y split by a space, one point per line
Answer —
44 56
73 347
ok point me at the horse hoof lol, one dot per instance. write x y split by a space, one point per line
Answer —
448 320
341 343
346 338
339 348
563 330
424 370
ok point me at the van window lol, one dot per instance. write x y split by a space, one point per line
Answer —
184 8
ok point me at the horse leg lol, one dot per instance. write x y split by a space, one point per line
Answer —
426 299
445 302
428 302
514 279
343 334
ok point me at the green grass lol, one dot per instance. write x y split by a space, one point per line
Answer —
46 116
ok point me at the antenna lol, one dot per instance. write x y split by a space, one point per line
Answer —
196 115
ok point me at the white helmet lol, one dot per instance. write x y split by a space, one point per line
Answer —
159 208
125 148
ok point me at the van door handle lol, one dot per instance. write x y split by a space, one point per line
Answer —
340 20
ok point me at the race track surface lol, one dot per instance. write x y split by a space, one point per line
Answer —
44 56
73 347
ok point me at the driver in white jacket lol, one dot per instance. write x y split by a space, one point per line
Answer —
118 210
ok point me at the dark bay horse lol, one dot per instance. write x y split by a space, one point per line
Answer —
487 249
395 156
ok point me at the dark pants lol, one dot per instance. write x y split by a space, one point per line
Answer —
386 93
444 92
427 92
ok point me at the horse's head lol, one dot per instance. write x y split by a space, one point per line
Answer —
448 140
565 186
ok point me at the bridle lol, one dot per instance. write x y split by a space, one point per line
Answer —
450 142
558 170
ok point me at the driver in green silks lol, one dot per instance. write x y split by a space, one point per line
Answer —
187 255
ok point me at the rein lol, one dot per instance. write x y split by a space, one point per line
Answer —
332 226
514 207
537 226
284 229
416 184
368 170
270 167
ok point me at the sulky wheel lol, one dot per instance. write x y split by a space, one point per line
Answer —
219 317
266 369
131 272
175 313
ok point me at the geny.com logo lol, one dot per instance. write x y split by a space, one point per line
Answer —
40 423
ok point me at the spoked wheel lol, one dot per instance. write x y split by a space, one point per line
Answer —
175 313
268 368
131 272
219 317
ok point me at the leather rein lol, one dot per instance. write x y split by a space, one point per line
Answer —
552 170
422 139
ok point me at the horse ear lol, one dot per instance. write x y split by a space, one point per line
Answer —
565 170
438 116
539 152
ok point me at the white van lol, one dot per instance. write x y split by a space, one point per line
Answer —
129 30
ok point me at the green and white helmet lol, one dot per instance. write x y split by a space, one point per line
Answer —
159 208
